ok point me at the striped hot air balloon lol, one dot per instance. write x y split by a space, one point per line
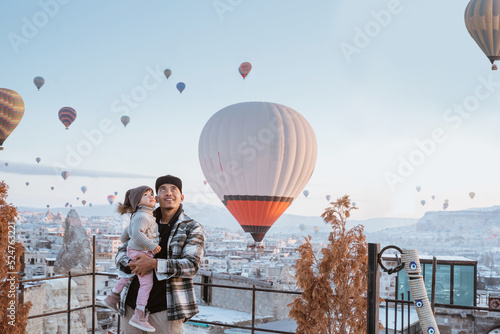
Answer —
482 19
11 112
111 199
244 69
65 174
67 115
257 157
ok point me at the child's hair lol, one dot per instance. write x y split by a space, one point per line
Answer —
123 209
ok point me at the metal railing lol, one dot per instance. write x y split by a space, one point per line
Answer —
93 305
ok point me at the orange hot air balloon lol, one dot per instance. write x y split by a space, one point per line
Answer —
244 69
257 157
111 199
11 112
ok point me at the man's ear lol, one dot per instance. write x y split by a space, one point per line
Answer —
182 198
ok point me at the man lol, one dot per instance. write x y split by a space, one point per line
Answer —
182 240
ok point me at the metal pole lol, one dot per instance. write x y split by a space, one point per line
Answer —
69 303
93 285
402 312
433 287
253 309
373 288
409 306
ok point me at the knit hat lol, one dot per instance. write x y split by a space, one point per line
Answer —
168 179
133 196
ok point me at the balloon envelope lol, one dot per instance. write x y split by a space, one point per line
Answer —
482 19
418 188
38 160
306 193
125 120
328 197
302 227
257 185
67 115
84 189
167 73
65 175
445 206
116 193
39 81
111 199
84 202
51 188
315 229
472 194
244 69
11 112
27 183
422 202
181 86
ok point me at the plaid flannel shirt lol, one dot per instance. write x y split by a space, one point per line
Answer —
186 247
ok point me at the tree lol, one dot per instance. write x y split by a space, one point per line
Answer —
334 284
13 315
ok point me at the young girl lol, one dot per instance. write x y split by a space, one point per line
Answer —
142 236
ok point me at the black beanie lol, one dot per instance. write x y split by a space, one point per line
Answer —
133 196
168 179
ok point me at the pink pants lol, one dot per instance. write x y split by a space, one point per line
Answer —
145 282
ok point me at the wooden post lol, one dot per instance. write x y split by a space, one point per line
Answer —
373 292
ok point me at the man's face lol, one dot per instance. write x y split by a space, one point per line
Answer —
169 196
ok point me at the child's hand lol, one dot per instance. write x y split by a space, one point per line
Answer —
157 249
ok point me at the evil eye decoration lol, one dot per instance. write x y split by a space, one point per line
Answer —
430 330
413 265
419 303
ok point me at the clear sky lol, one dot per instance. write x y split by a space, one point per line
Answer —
398 94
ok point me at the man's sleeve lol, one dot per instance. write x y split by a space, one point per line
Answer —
190 260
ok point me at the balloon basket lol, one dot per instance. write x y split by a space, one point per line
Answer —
256 247
494 67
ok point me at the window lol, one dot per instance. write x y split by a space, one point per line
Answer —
463 285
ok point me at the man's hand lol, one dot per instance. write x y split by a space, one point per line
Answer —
157 249
142 265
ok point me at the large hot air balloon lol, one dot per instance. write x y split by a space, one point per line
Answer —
167 73
111 199
244 69
306 193
65 174
328 198
482 19
11 113
84 189
38 160
257 157
181 86
39 81
67 115
125 120
472 194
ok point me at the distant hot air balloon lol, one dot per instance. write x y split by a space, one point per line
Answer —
353 203
244 69
167 73
6 164
67 115
472 194
65 174
111 199
78 198
84 202
446 201
38 160
482 19
66 205
48 206
84 189
27 184
305 193
51 188
181 86
328 198
422 202
433 197
316 229
445 206
257 185
205 182
302 227
71 205
90 204
116 193
125 120
39 81
11 112
418 188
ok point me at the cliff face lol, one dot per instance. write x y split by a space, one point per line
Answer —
76 253
483 220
